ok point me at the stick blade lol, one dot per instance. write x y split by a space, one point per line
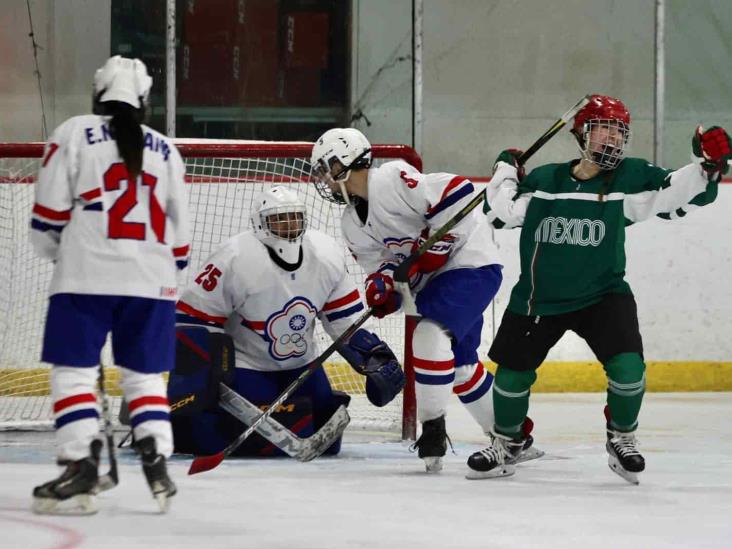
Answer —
202 464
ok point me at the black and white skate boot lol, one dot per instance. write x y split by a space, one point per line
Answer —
529 451
498 460
432 444
73 493
624 458
156 473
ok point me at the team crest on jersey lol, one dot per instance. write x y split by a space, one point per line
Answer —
287 329
402 248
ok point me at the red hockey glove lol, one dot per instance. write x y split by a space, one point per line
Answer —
712 149
381 296
435 257
511 157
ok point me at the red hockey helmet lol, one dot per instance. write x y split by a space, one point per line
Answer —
602 129
601 107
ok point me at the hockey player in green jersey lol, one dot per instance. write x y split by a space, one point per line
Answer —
572 246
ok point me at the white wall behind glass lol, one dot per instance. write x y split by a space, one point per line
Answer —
73 38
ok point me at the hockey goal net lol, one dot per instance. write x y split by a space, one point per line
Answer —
223 177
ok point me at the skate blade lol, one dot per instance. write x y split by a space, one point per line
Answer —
505 470
529 454
433 464
616 468
81 504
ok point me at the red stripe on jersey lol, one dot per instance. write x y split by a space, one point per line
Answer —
433 365
92 195
253 324
340 302
182 251
59 405
147 401
472 382
187 309
56 215
454 182
52 148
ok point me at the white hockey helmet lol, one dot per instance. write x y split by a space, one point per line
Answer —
279 220
122 79
347 146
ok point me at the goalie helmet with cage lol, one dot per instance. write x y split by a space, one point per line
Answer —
602 129
279 220
124 80
334 155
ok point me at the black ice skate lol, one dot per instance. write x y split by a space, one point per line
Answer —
623 456
498 460
156 473
73 492
432 444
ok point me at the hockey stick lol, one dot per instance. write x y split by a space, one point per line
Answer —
401 274
302 449
110 479
206 463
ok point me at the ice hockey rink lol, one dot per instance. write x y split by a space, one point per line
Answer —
376 495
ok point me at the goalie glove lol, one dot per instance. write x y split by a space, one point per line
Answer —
373 358
511 157
712 150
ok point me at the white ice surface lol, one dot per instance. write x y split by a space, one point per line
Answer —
376 495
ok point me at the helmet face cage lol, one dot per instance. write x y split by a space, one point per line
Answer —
286 223
326 180
604 140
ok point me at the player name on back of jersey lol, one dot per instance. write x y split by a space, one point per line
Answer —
153 143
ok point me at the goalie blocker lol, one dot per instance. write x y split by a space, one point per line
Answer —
202 427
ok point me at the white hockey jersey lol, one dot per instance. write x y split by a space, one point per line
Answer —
402 202
106 235
268 311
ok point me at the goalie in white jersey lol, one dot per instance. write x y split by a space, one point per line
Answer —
265 288
111 213
390 210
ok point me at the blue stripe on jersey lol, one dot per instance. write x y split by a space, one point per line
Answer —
43 227
152 415
345 312
450 200
96 207
182 318
76 415
434 380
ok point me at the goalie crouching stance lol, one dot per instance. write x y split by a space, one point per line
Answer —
245 330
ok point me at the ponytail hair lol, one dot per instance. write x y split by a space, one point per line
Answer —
126 130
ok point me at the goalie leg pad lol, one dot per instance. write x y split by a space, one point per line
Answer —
370 356
203 360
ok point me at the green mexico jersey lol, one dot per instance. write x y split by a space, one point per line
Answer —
572 242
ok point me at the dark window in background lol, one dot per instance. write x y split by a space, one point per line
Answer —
246 69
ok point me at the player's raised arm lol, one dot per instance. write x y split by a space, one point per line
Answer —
672 194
